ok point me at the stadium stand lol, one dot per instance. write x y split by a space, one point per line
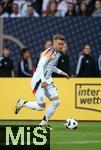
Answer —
21 8
33 33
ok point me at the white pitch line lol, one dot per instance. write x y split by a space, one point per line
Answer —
76 142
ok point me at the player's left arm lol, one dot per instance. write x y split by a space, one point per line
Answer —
59 71
65 74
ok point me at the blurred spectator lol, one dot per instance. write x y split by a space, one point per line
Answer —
22 4
72 1
38 6
71 10
6 64
7 5
27 8
83 9
97 12
63 62
99 64
31 12
86 66
91 6
15 11
2 13
62 7
48 44
45 5
23 67
52 9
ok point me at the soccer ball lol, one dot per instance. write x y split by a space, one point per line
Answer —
71 124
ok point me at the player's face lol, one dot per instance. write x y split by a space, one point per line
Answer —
58 44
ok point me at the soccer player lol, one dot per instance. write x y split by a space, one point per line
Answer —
42 84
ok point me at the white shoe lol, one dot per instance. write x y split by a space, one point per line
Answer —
51 129
44 124
19 105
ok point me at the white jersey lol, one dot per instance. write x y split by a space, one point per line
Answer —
46 66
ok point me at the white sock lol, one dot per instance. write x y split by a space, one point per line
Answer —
33 105
51 109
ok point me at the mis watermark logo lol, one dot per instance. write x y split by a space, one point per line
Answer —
88 96
24 137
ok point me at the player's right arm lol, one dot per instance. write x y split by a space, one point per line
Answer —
45 57
40 68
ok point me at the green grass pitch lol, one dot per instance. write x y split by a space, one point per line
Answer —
86 137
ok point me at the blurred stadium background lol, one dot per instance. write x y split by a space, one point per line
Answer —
34 32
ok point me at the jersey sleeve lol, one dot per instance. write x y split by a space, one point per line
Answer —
45 57
56 70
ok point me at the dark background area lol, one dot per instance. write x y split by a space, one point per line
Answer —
33 32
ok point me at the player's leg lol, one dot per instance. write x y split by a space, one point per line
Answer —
38 104
51 93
